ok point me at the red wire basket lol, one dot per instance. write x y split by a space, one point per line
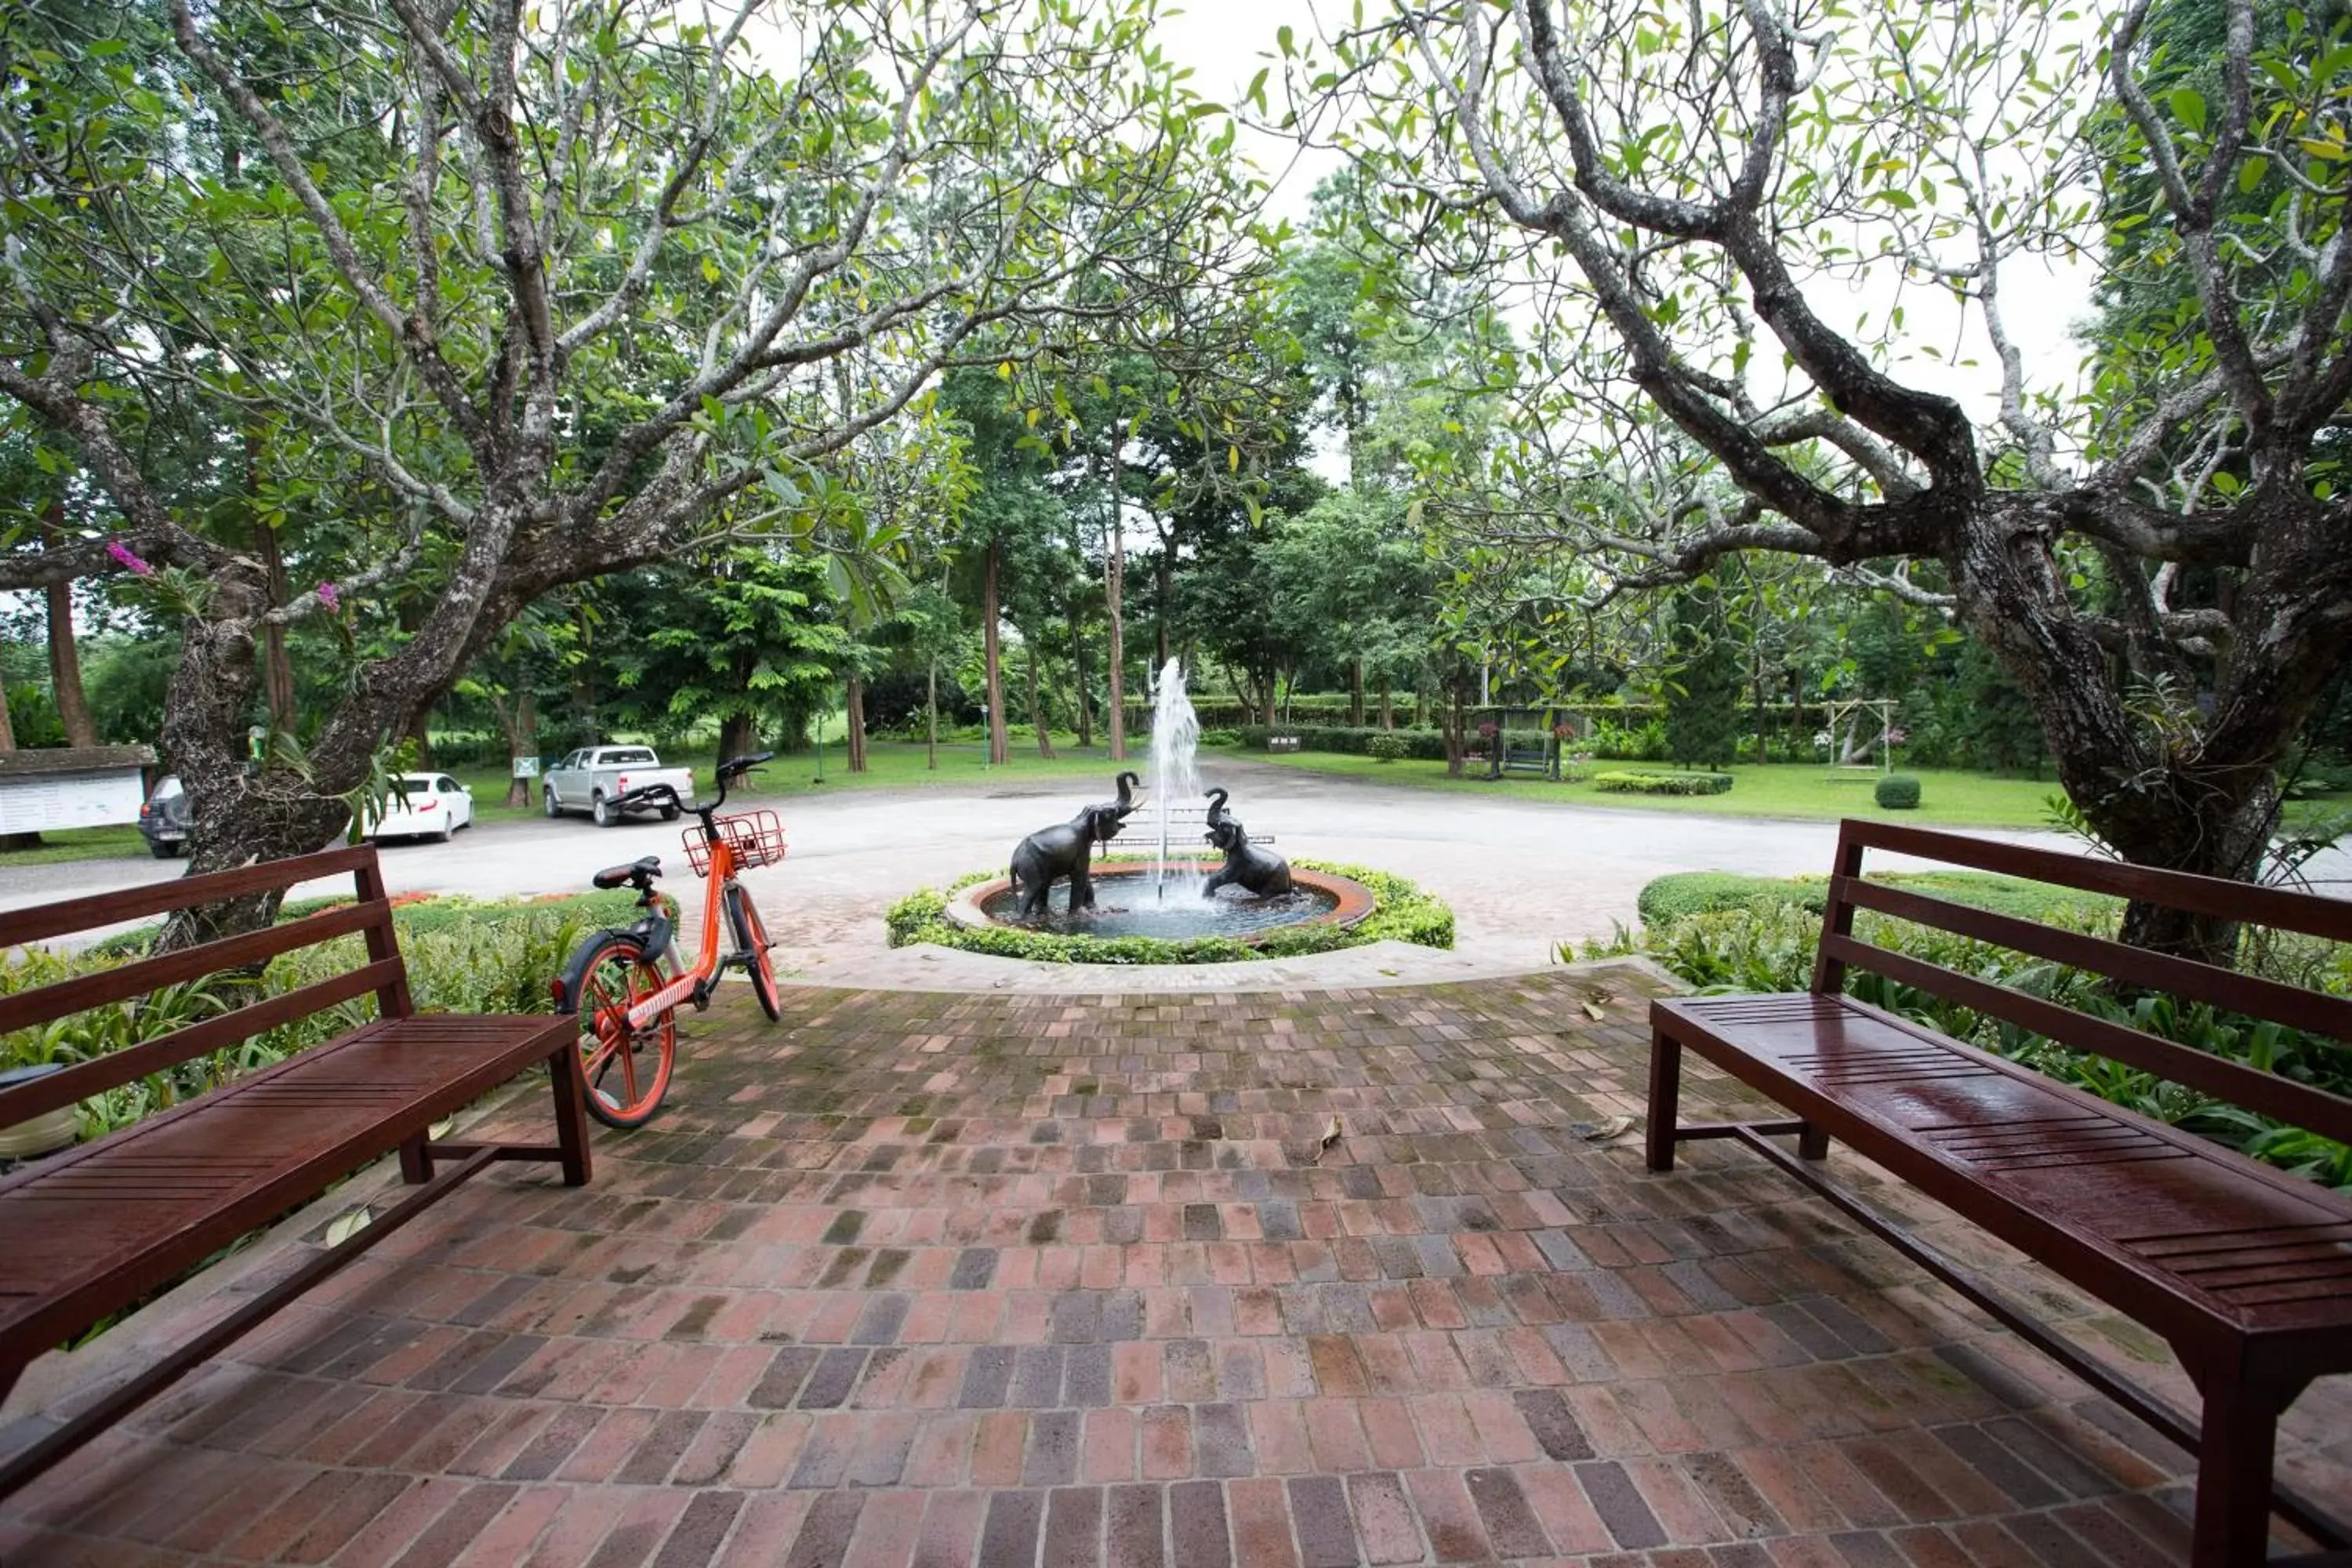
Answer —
757 837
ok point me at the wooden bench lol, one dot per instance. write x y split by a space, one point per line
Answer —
92 1230
2246 1270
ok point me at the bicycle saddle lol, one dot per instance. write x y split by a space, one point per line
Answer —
614 876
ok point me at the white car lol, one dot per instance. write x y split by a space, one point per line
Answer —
431 805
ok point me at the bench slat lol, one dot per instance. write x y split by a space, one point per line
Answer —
2298 1104
38 1096
2122 1205
2290 1005
2215 896
41 921
101 1224
99 987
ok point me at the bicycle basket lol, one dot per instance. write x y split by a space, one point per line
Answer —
757 837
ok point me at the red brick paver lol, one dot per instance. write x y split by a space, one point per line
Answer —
933 1279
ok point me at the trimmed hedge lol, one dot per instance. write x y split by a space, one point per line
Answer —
1427 744
1898 792
1388 746
1403 913
1685 893
1662 784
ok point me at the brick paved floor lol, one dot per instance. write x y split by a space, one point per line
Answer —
920 1278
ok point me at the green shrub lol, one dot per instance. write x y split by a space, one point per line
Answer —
1662 784
1388 746
1220 737
1402 912
467 958
1671 897
1429 745
1898 792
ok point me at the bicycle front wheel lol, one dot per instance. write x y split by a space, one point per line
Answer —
627 1069
751 938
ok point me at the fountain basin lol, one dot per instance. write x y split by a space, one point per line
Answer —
1125 906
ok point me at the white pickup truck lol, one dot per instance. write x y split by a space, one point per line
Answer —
593 777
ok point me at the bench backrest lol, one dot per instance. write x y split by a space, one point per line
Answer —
2330 1018
370 914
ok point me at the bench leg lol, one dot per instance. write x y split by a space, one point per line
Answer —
1666 1089
2235 1449
570 1113
416 1160
1813 1143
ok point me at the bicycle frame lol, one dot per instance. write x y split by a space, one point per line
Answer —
689 983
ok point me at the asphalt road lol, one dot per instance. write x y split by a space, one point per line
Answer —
1522 875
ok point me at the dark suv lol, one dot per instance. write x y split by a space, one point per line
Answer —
164 819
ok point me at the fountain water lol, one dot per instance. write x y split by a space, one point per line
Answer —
1175 771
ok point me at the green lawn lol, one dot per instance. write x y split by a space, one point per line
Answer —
1799 791
890 765
118 843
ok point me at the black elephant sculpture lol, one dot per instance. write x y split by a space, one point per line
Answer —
1260 871
1067 849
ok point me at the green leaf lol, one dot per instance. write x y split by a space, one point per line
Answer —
2251 172
2189 108
345 1225
1282 38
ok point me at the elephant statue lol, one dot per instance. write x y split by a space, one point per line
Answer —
1260 871
1067 849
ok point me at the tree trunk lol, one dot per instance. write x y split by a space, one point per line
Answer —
738 734
999 751
1356 693
8 743
65 670
277 666
932 716
1164 590
1078 672
1763 717
1037 707
1114 580
1388 709
521 722
65 656
238 817
1455 746
856 719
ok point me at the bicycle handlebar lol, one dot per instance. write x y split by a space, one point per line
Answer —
648 795
664 795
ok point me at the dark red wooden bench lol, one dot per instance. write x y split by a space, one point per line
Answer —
87 1232
2245 1270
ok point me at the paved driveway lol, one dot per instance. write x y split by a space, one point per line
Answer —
1522 875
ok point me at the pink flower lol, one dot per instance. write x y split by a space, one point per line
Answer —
329 594
121 553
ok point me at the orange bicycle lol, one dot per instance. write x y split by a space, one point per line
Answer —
625 983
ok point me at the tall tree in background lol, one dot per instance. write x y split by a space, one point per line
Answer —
1702 169
578 296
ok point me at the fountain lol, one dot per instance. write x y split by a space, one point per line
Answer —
1175 769
1058 885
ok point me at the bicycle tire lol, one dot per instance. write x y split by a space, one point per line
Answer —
751 938
609 974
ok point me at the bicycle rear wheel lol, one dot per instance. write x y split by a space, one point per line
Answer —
751 937
627 1069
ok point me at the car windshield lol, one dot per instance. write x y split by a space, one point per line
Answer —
630 754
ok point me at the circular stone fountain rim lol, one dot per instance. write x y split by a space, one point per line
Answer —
1354 901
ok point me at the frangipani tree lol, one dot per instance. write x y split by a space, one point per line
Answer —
575 286
2165 568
